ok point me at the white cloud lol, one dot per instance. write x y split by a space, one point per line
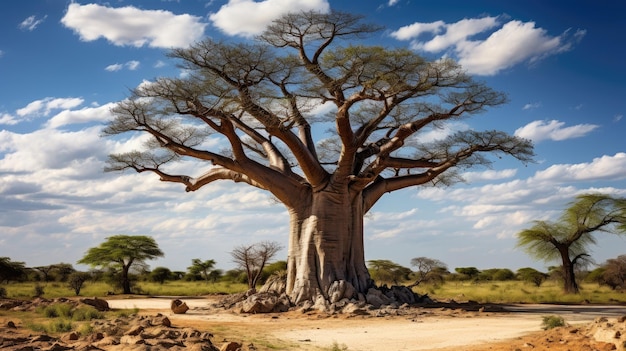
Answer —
531 106
249 18
601 168
130 26
45 106
31 23
84 115
553 130
489 175
513 43
114 67
130 65
617 118
392 2
8 119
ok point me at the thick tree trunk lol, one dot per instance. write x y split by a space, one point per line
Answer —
125 280
326 254
569 277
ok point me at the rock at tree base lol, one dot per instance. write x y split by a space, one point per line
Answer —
265 303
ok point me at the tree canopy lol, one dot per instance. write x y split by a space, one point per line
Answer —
122 252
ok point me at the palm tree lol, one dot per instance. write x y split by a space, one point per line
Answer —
570 237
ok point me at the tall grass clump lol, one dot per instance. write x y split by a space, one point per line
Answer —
53 327
550 322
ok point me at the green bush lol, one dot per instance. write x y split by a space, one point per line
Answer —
550 322
86 313
57 310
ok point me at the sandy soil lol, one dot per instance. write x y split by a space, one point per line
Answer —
438 330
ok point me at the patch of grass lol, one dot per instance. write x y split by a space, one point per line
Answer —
53 327
126 312
550 322
184 288
336 347
67 311
86 313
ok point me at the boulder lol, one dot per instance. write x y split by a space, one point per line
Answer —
259 303
339 290
231 346
179 307
99 304
276 283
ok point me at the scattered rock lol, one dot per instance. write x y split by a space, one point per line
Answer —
230 346
99 304
179 307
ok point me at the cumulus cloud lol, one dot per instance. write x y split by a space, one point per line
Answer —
130 26
601 168
31 23
45 106
248 18
489 175
130 65
8 119
84 115
512 43
553 130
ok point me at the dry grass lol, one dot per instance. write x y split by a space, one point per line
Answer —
520 292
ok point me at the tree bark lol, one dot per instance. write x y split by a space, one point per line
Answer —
326 254
125 279
569 276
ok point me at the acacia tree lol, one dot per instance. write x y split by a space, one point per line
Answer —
11 270
202 268
122 252
258 98
253 258
388 271
569 238
428 269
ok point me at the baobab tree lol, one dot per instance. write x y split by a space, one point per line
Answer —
569 238
258 99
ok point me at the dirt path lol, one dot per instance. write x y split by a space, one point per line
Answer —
295 330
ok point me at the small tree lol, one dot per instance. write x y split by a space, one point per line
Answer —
76 280
569 238
615 272
253 258
531 275
11 270
388 271
469 272
201 268
121 252
428 269
160 275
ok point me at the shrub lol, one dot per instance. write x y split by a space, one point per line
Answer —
38 290
3 292
86 313
57 310
550 322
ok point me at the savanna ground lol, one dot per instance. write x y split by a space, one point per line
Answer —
441 328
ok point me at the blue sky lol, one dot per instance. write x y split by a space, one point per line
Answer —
64 64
